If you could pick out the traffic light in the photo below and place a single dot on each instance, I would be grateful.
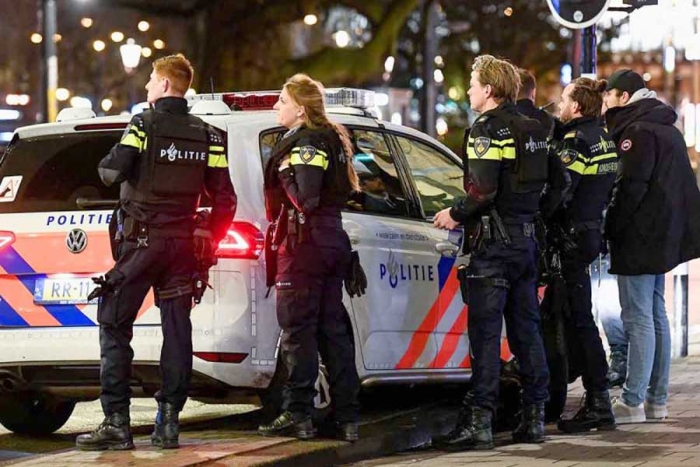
(578, 14)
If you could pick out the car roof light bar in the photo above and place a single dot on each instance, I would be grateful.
(265, 100)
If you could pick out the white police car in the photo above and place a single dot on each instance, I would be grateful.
(410, 326)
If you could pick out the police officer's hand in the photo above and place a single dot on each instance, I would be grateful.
(204, 247)
(443, 220)
(285, 163)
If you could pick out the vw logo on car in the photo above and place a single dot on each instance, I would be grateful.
(76, 241)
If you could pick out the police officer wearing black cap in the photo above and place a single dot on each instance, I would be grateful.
(508, 167)
(307, 182)
(588, 152)
(164, 161)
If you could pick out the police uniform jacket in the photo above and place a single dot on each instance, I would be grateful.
(316, 182)
(491, 156)
(528, 108)
(653, 222)
(588, 153)
(126, 164)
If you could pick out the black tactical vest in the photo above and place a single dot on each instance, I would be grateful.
(335, 186)
(171, 173)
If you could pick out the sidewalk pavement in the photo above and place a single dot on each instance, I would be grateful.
(674, 442)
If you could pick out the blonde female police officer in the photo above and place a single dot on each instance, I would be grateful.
(307, 182)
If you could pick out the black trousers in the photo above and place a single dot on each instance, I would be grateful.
(585, 341)
(314, 321)
(490, 300)
(167, 263)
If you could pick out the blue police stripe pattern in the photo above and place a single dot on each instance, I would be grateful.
(67, 315)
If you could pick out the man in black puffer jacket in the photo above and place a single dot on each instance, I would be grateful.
(653, 224)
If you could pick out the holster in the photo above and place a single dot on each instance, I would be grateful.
(271, 254)
(116, 231)
(463, 285)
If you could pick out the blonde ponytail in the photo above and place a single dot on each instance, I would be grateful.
(308, 94)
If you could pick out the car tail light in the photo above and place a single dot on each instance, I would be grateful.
(6, 239)
(221, 357)
(243, 241)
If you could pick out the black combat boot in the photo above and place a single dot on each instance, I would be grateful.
(617, 369)
(347, 432)
(166, 432)
(531, 427)
(114, 433)
(595, 414)
(473, 431)
(288, 424)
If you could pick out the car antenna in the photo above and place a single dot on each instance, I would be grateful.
(211, 83)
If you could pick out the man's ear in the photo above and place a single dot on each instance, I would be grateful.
(626, 97)
(301, 112)
(489, 90)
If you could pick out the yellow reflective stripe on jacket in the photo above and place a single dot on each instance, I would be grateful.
(583, 168)
(498, 150)
(216, 149)
(308, 155)
(134, 137)
(217, 161)
(602, 157)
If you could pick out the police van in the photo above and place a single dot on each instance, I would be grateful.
(409, 327)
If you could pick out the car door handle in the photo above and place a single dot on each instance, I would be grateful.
(354, 239)
(447, 249)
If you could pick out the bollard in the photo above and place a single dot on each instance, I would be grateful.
(680, 311)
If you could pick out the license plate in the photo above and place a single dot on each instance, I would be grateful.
(63, 291)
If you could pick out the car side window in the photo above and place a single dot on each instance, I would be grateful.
(438, 177)
(381, 190)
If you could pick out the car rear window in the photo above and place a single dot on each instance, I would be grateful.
(55, 170)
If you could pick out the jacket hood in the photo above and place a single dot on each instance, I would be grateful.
(649, 110)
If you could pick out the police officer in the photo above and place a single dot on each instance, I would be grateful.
(307, 181)
(163, 162)
(589, 154)
(508, 168)
(526, 100)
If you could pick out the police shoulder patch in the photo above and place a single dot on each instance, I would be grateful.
(481, 145)
(307, 153)
(568, 157)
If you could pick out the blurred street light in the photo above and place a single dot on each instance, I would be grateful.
(57, 37)
(508, 11)
(80, 102)
(159, 44)
(146, 52)
(438, 76)
(36, 38)
(117, 36)
(439, 60)
(131, 55)
(62, 94)
(86, 22)
(99, 45)
(389, 64)
(441, 126)
(144, 26)
(17, 99)
(310, 20)
(106, 104)
(190, 92)
(342, 39)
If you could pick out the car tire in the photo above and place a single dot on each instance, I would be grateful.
(34, 413)
(273, 397)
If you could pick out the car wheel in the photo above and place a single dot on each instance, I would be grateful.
(273, 397)
(34, 413)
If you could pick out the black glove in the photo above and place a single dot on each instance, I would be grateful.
(356, 280)
(204, 248)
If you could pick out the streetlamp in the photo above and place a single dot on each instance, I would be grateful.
(131, 55)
